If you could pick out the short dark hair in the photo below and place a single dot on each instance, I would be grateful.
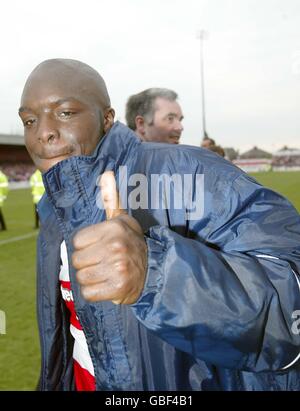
(217, 149)
(142, 104)
(210, 140)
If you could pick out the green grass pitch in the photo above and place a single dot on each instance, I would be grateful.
(286, 183)
(19, 347)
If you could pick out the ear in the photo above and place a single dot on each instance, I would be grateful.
(140, 125)
(109, 116)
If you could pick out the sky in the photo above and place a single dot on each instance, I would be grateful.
(251, 59)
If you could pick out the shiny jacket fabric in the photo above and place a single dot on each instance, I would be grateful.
(221, 300)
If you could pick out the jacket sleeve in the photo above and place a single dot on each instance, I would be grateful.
(233, 299)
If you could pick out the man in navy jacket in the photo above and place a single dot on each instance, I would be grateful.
(194, 285)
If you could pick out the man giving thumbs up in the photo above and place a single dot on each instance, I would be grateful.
(161, 298)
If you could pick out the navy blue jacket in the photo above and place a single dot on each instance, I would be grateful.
(220, 309)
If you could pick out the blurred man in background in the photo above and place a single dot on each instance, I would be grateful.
(207, 142)
(217, 149)
(210, 144)
(37, 191)
(155, 115)
(3, 195)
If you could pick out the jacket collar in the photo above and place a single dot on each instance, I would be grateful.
(115, 144)
(112, 151)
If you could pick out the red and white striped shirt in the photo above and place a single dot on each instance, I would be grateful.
(83, 366)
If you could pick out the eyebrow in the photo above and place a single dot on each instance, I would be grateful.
(58, 102)
(22, 109)
(175, 115)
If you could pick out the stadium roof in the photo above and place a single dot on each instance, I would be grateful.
(256, 152)
(287, 152)
(12, 139)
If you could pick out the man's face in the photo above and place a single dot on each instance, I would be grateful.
(166, 126)
(60, 120)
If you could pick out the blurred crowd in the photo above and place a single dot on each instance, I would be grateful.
(17, 171)
(286, 161)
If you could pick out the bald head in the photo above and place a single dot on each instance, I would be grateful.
(65, 110)
(70, 75)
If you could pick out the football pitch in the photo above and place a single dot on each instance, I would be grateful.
(19, 346)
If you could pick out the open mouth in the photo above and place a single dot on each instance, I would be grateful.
(175, 140)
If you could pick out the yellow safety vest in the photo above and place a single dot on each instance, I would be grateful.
(3, 188)
(37, 186)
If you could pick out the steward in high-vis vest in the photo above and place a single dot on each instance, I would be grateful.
(3, 195)
(37, 190)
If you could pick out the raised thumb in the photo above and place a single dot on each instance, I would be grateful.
(110, 196)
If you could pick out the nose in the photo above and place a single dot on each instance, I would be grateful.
(48, 132)
(179, 126)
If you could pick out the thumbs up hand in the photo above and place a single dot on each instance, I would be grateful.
(111, 257)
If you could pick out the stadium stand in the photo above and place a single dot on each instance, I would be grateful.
(14, 158)
(254, 160)
(286, 159)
